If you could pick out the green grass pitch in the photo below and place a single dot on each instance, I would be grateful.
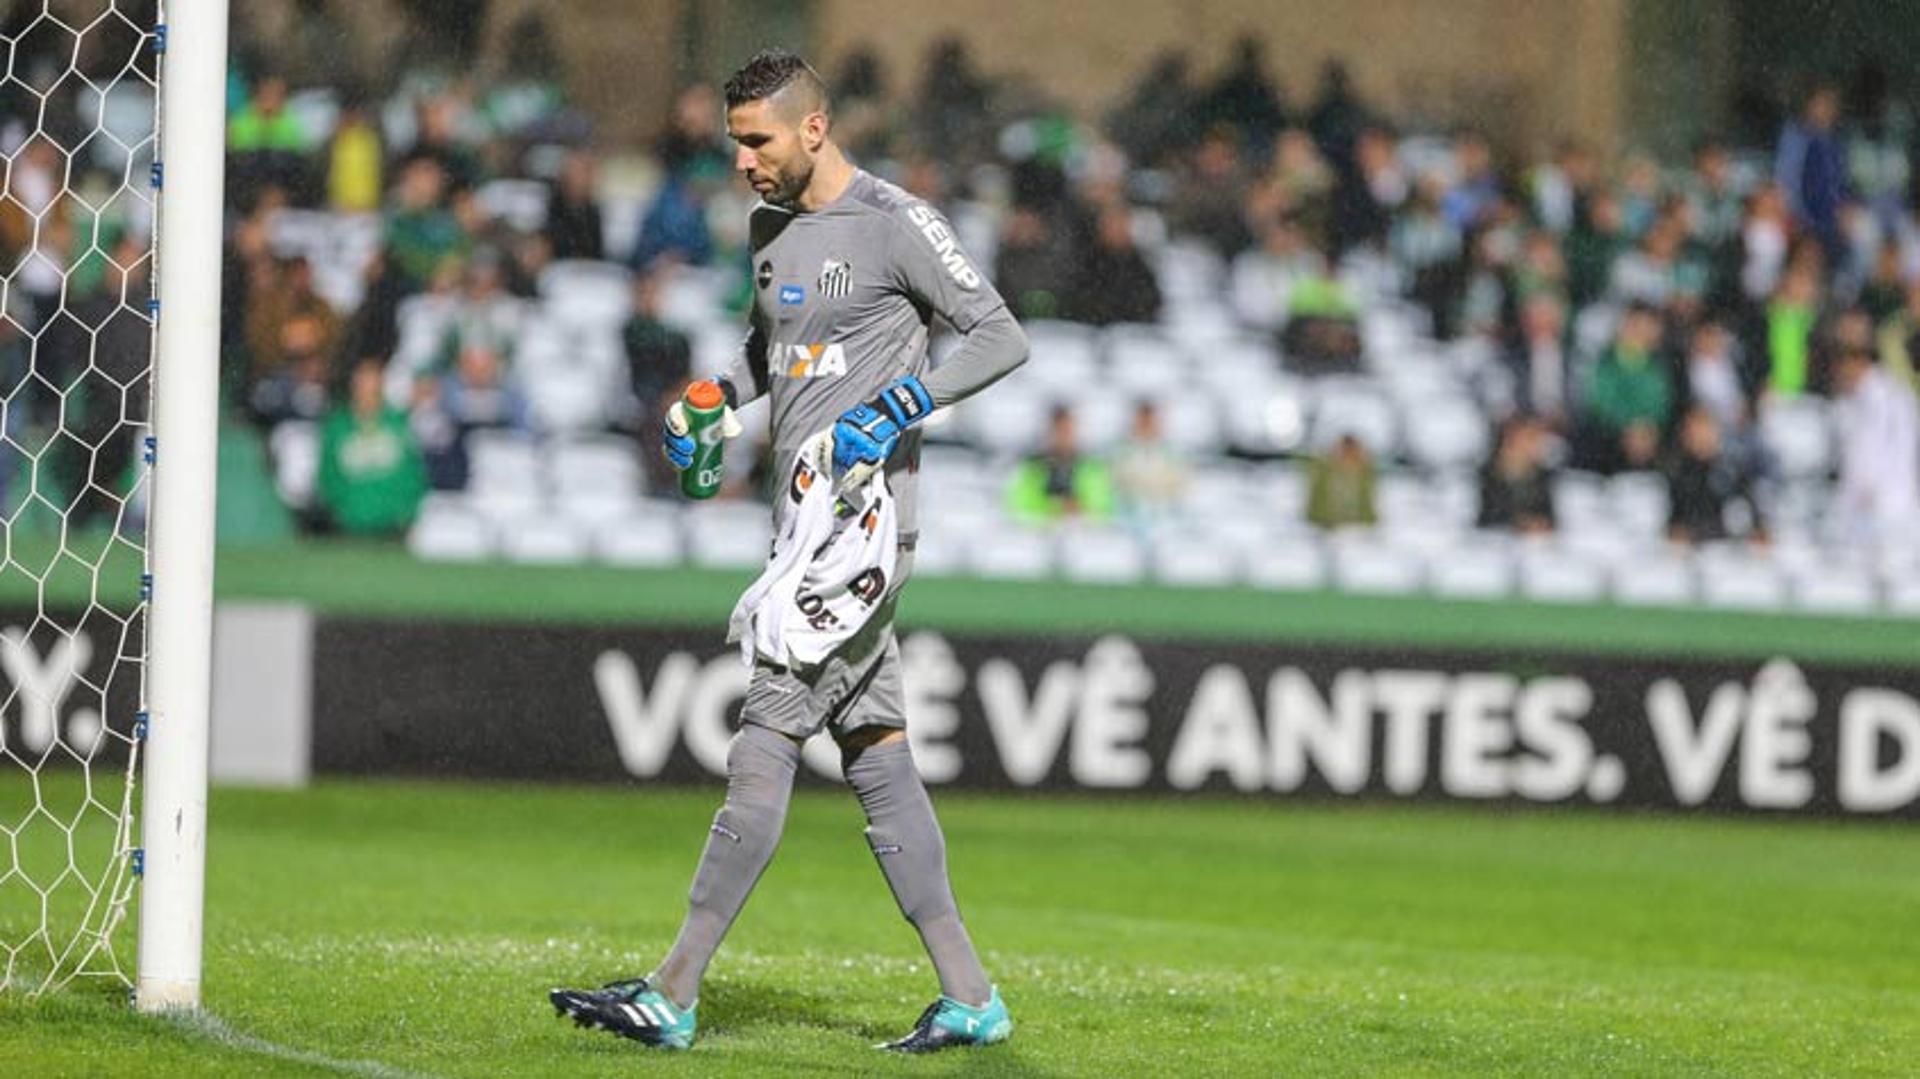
(385, 929)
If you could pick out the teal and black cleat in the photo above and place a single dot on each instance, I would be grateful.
(631, 1009)
(947, 1023)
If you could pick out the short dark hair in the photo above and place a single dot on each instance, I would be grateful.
(769, 72)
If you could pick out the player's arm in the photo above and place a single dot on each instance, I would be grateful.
(929, 267)
(746, 377)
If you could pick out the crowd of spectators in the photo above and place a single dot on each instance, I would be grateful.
(1642, 315)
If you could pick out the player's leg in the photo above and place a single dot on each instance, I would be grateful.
(761, 762)
(907, 843)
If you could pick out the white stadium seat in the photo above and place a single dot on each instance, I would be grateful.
(1362, 564)
(649, 536)
(1012, 553)
(1556, 575)
(1350, 406)
(1445, 432)
(544, 541)
(1834, 589)
(450, 535)
(1740, 582)
(1101, 555)
(295, 445)
(729, 535)
(1799, 435)
(1295, 566)
(1653, 580)
(1481, 568)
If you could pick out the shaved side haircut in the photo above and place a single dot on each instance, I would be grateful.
(781, 76)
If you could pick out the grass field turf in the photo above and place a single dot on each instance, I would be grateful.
(393, 928)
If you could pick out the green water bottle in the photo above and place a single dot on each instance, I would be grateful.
(704, 406)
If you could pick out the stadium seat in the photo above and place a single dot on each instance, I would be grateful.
(1606, 542)
(729, 535)
(1637, 502)
(295, 446)
(1553, 574)
(1011, 554)
(1196, 558)
(449, 534)
(1797, 432)
(940, 554)
(544, 540)
(1353, 406)
(422, 326)
(1444, 432)
(1007, 423)
(1480, 568)
(1071, 345)
(692, 297)
(1579, 500)
(1298, 565)
(1656, 579)
(1189, 269)
(316, 110)
(598, 465)
(502, 460)
(566, 400)
(1834, 589)
(1142, 347)
(1403, 500)
(579, 291)
(1103, 415)
(1903, 597)
(647, 536)
(1737, 580)
(1363, 564)
(521, 204)
(1269, 419)
(1101, 555)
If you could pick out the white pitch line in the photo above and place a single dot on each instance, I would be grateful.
(213, 1028)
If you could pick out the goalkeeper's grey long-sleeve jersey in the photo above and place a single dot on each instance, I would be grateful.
(843, 299)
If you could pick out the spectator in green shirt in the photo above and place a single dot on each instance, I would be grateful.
(372, 477)
(1629, 396)
(422, 233)
(1791, 316)
(1060, 482)
(1340, 487)
(264, 123)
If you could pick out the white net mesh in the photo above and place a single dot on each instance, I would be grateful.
(77, 131)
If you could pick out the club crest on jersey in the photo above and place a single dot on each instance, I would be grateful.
(944, 245)
(816, 361)
(836, 279)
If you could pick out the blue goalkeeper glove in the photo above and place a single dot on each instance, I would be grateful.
(864, 436)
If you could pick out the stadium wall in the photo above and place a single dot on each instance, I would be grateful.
(299, 693)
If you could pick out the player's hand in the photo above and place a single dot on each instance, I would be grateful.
(864, 436)
(677, 441)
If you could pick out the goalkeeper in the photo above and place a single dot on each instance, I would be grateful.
(849, 271)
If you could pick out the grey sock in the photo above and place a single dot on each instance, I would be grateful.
(760, 768)
(907, 843)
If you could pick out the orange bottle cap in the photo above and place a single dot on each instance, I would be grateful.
(705, 394)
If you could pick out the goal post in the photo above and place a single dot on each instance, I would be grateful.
(189, 175)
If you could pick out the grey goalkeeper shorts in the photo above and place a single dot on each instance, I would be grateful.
(858, 686)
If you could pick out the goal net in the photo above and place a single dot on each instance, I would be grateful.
(78, 122)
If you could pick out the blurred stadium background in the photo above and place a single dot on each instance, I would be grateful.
(1486, 401)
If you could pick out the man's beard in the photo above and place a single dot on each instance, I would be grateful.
(788, 190)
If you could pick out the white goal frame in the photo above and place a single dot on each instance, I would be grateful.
(190, 173)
